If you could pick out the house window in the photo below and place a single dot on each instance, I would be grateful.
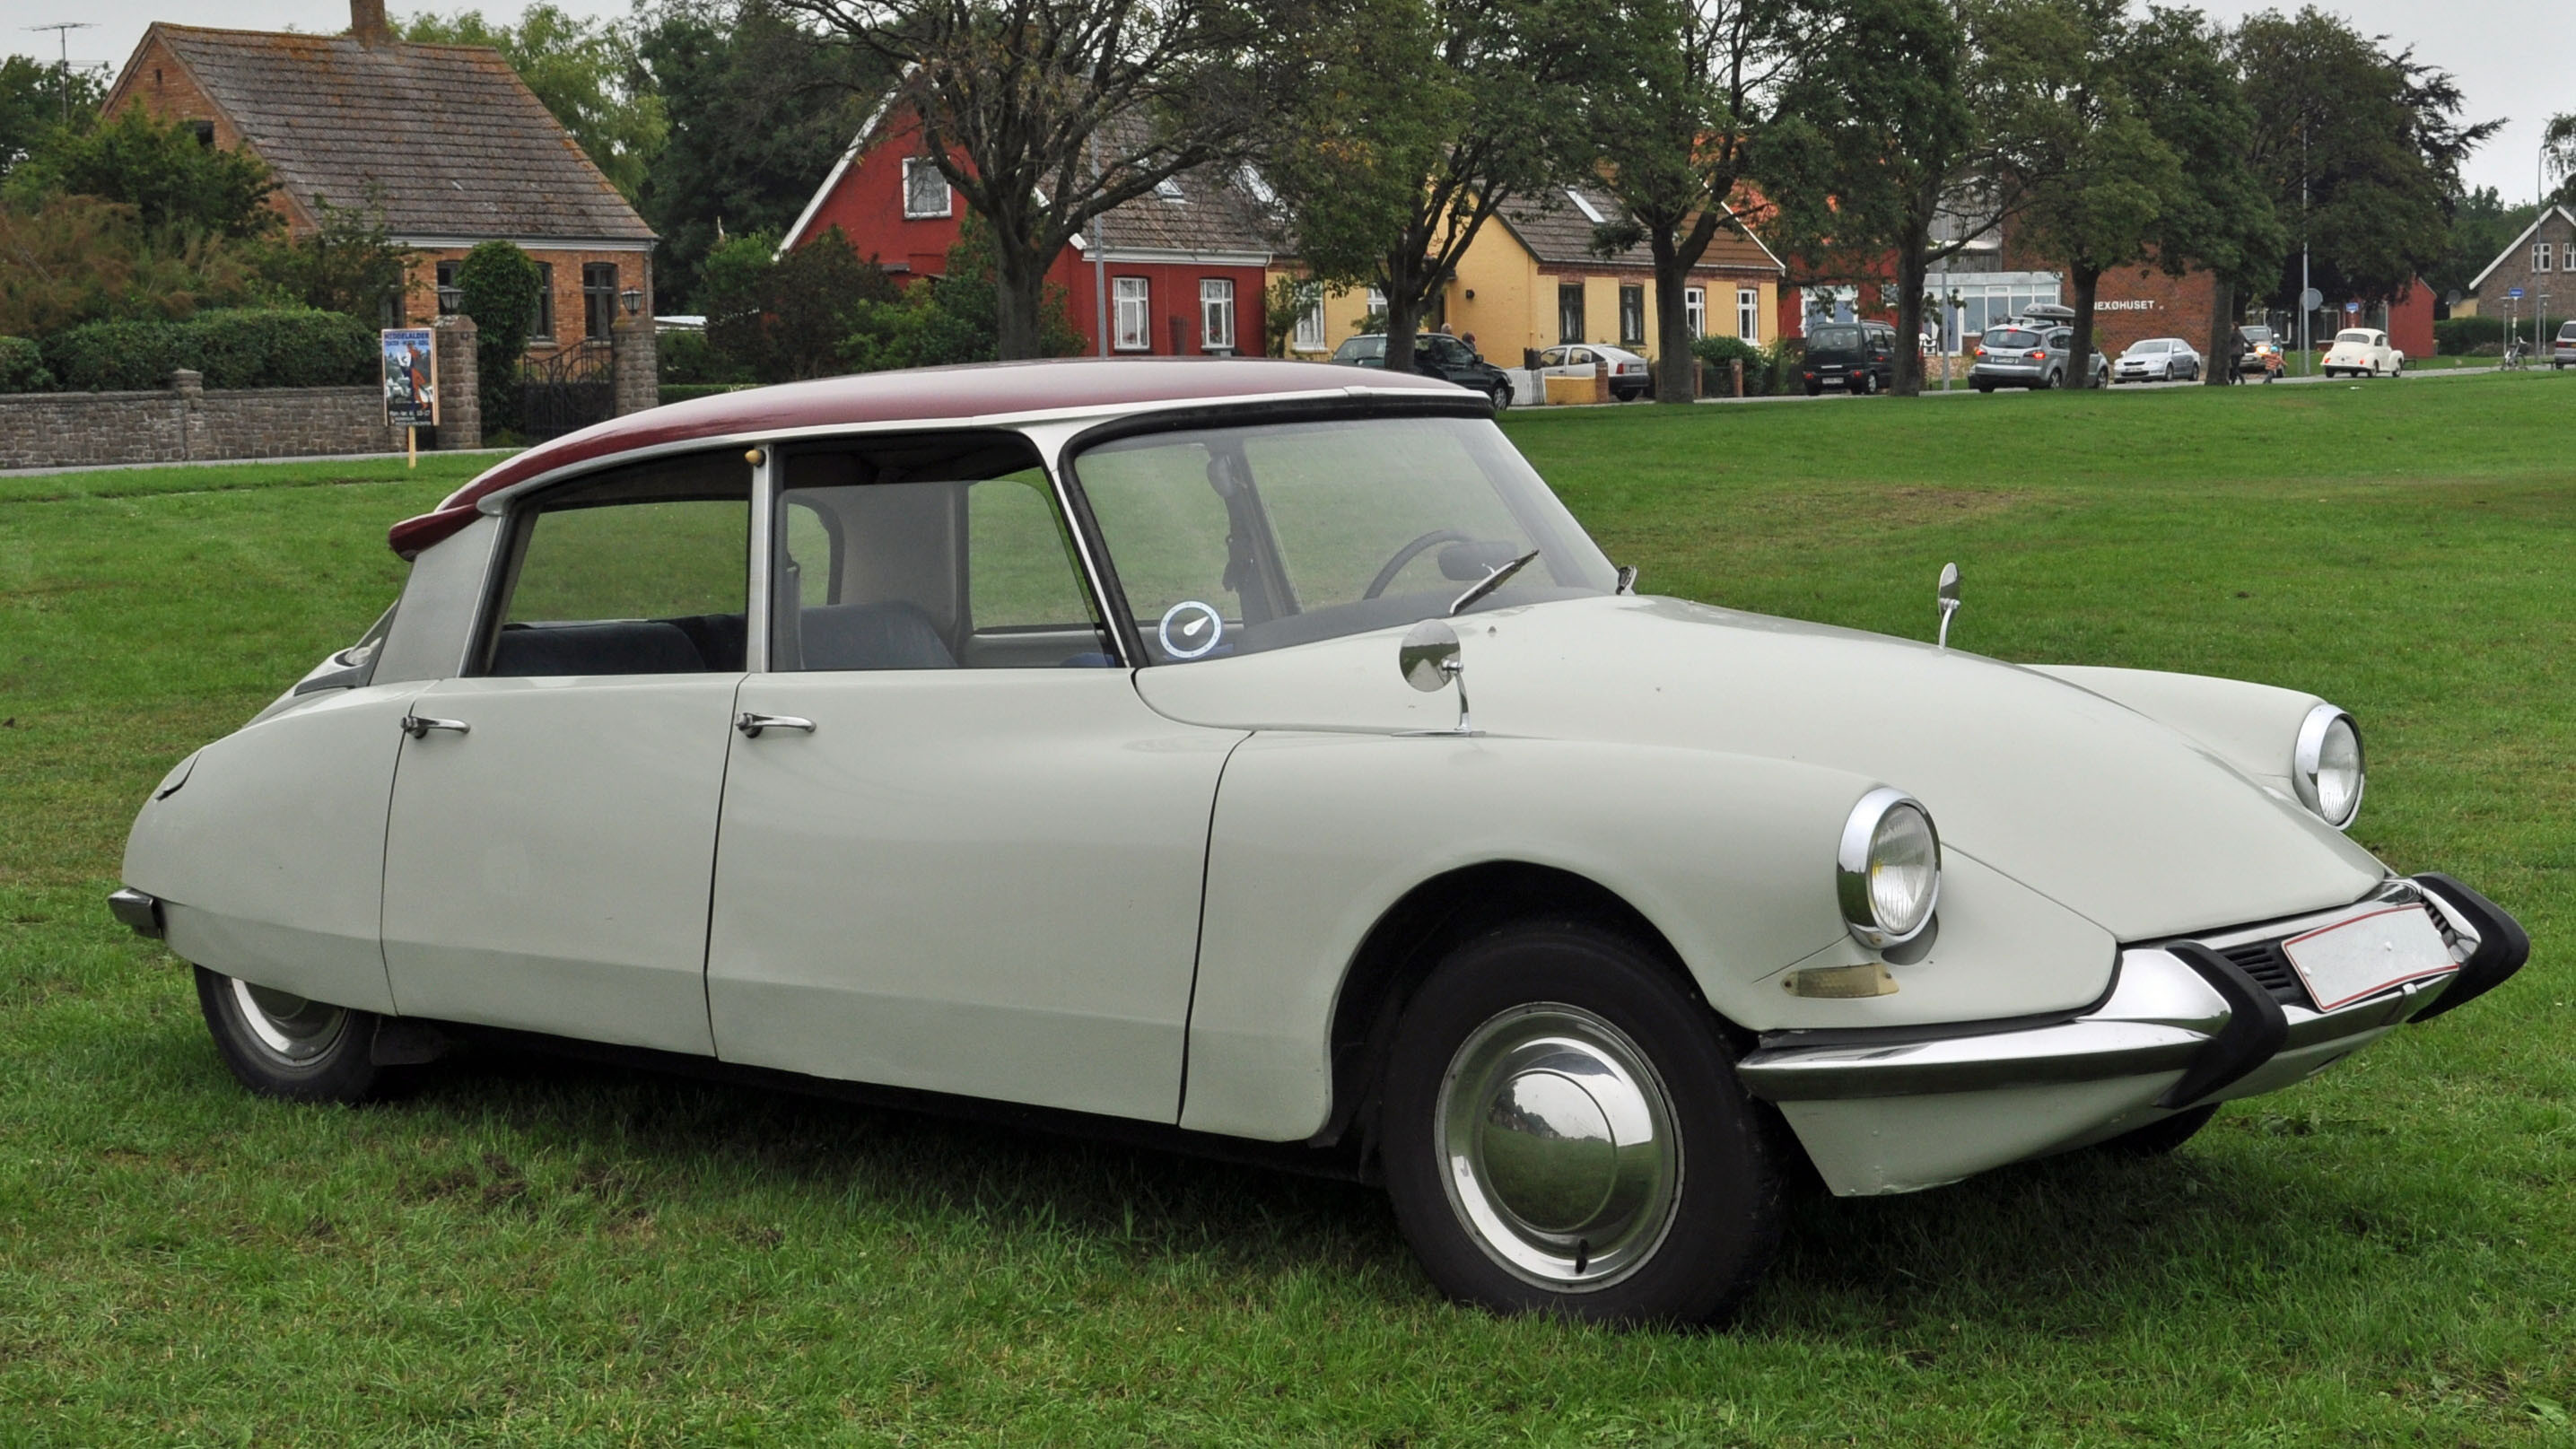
(544, 331)
(1310, 323)
(1216, 315)
(1569, 311)
(2540, 257)
(451, 300)
(1135, 328)
(1695, 311)
(925, 191)
(1632, 315)
(598, 298)
(1748, 313)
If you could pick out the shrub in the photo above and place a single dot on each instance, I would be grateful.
(1721, 354)
(684, 357)
(22, 366)
(234, 348)
(2461, 336)
(499, 283)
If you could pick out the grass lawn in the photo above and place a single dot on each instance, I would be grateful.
(521, 1251)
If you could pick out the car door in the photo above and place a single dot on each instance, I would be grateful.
(554, 809)
(969, 858)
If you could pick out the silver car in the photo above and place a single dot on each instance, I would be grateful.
(2563, 351)
(2020, 354)
(2158, 359)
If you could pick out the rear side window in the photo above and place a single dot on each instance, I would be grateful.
(642, 571)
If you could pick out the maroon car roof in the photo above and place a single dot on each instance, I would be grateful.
(929, 394)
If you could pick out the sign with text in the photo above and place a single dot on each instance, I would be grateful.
(411, 376)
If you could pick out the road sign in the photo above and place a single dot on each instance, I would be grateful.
(2311, 299)
(2515, 294)
(2351, 309)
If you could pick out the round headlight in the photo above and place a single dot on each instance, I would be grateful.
(2326, 767)
(1888, 870)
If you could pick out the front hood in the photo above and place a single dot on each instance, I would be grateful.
(2096, 806)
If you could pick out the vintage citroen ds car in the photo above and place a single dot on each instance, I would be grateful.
(1094, 739)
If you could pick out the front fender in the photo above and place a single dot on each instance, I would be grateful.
(2253, 727)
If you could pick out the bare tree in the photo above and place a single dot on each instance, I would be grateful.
(1045, 113)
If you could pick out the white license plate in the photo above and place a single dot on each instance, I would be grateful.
(2345, 962)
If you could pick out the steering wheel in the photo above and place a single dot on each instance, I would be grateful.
(1408, 554)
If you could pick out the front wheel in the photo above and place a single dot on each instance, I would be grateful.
(279, 1044)
(1502, 397)
(1564, 1133)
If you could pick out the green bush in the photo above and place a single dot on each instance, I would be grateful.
(2462, 336)
(233, 348)
(499, 283)
(1721, 354)
(685, 357)
(22, 366)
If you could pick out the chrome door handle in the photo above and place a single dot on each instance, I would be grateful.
(419, 726)
(752, 724)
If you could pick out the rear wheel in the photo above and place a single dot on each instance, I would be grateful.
(1502, 396)
(1564, 1133)
(282, 1045)
(1815, 389)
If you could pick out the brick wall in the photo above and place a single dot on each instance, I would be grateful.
(157, 82)
(634, 269)
(2519, 268)
(184, 422)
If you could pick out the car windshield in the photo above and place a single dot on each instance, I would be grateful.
(2012, 337)
(1828, 338)
(2140, 349)
(1243, 539)
(2362, 338)
(2258, 334)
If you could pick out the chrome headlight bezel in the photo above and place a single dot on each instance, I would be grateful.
(2307, 762)
(1853, 862)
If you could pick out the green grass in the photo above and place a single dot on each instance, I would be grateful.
(527, 1252)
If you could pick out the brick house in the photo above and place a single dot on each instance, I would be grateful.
(2541, 261)
(446, 138)
(1179, 270)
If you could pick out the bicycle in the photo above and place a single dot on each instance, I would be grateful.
(2515, 357)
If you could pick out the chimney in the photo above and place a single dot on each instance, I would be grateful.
(367, 22)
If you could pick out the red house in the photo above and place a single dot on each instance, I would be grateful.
(1179, 270)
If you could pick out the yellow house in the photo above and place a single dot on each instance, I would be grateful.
(1531, 280)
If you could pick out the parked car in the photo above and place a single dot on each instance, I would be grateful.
(2262, 353)
(2362, 351)
(1435, 354)
(2562, 351)
(1858, 357)
(2158, 359)
(2024, 354)
(1627, 373)
(1093, 737)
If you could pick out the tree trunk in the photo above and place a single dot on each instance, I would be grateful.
(1019, 290)
(2221, 367)
(1675, 363)
(2079, 353)
(1912, 266)
(1403, 317)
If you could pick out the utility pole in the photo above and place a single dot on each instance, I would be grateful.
(63, 64)
(1099, 261)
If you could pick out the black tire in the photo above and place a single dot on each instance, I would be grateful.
(1985, 387)
(299, 1050)
(2158, 1138)
(1683, 1247)
(1815, 389)
(1502, 396)
(1868, 384)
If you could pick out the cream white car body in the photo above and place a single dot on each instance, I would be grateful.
(2363, 351)
(1163, 893)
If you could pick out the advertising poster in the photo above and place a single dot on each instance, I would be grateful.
(411, 377)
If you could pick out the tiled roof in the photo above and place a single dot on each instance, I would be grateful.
(1200, 210)
(458, 143)
(1555, 228)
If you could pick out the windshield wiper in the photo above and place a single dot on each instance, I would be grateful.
(1501, 575)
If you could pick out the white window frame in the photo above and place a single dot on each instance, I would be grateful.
(914, 166)
(2542, 254)
(1216, 314)
(1695, 311)
(1748, 314)
(1309, 336)
(1132, 305)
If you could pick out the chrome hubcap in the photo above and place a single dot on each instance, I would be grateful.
(1557, 1143)
(292, 1029)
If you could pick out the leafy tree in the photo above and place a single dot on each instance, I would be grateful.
(2558, 148)
(781, 318)
(585, 73)
(1426, 116)
(499, 283)
(1677, 111)
(953, 317)
(757, 110)
(2481, 227)
(76, 259)
(2360, 150)
(1045, 113)
(36, 98)
(1883, 147)
(170, 178)
(1287, 300)
(347, 263)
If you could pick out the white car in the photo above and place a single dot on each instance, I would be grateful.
(2363, 352)
(1626, 370)
(2158, 359)
(1094, 738)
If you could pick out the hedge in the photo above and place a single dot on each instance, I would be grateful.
(22, 366)
(233, 348)
(2459, 336)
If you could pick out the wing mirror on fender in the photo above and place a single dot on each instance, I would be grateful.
(1948, 597)
(1429, 659)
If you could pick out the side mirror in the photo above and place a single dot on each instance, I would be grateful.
(1947, 595)
(1428, 659)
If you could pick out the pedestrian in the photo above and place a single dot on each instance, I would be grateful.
(2237, 347)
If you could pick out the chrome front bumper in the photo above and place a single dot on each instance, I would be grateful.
(2184, 1024)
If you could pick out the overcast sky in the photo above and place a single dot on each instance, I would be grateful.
(2513, 58)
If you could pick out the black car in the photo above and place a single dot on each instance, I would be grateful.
(1857, 357)
(1435, 354)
